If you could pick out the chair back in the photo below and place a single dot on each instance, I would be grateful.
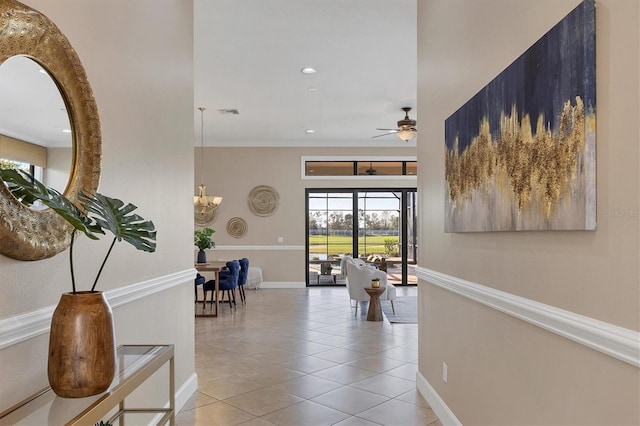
(343, 265)
(244, 271)
(359, 277)
(199, 279)
(229, 279)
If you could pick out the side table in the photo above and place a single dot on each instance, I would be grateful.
(375, 310)
(136, 363)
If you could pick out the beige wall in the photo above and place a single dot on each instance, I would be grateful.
(56, 174)
(233, 172)
(503, 370)
(139, 60)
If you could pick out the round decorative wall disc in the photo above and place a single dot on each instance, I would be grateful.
(237, 227)
(203, 217)
(263, 200)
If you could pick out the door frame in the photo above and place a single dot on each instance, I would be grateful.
(355, 226)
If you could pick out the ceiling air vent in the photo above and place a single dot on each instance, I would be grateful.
(229, 111)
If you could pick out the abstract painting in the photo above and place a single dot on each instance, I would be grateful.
(521, 153)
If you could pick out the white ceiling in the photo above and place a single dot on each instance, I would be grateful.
(249, 55)
(31, 107)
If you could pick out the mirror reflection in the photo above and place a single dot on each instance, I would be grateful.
(35, 132)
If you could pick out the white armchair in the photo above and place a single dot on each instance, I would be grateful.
(359, 275)
(343, 264)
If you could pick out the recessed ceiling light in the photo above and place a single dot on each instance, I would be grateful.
(309, 131)
(308, 70)
(66, 130)
(312, 89)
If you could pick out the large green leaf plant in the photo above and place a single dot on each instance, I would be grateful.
(95, 214)
(202, 239)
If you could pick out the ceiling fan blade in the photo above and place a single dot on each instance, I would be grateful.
(384, 134)
(390, 130)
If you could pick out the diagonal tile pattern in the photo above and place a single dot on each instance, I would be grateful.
(302, 357)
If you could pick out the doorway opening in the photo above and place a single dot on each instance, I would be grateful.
(377, 225)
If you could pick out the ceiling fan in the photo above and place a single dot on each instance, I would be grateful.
(406, 127)
(370, 171)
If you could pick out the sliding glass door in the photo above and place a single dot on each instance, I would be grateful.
(329, 235)
(378, 225)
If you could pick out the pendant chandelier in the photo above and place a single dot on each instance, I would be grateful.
(203, 204)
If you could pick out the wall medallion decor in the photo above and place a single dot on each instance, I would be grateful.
(263, 200)
(237, 227)
(521, 154)
(203, 218)
(26, 233)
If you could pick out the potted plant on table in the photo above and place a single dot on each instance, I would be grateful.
(375, 282)
(82, 339)
(202, 240)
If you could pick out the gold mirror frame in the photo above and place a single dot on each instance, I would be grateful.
(27, 234)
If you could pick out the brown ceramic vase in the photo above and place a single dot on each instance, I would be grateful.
(82, 353)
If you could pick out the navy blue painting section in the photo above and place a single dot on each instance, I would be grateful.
(556, 69)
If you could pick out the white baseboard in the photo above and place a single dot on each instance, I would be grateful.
(445, 415)
(183, 394)
(618, 342)
(186, 391)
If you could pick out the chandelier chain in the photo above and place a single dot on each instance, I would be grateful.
(201, 145)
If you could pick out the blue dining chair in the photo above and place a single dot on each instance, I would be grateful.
(242, 278)
(228, 282)
(200, 280)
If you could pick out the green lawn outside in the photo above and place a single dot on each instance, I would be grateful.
(341, 244)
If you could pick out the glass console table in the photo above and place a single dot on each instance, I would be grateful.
(135, 364)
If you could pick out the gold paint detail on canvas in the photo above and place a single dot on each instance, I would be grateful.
(531, 171)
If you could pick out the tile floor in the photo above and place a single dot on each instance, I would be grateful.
(301, 357)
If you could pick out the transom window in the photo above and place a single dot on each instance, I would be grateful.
(360, 168)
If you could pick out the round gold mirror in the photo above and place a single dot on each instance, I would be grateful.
(27, 233)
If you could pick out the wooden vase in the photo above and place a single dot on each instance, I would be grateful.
(82, 352)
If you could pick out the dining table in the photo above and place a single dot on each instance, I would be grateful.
(213, 266)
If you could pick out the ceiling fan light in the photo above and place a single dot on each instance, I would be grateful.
(407, 134)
